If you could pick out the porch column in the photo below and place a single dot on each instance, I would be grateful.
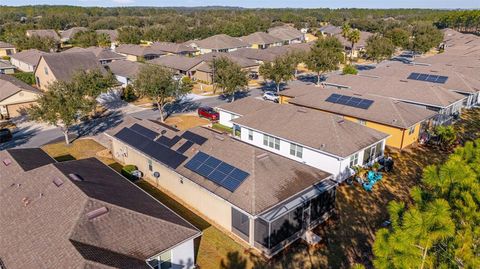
(251, 238)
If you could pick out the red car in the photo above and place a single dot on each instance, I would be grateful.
(209, 113)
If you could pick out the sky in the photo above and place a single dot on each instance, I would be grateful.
(450, 4)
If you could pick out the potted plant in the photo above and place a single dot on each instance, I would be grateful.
(375, 166)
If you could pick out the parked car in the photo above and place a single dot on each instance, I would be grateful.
(209, 113)
(5, 135)
(271, 96)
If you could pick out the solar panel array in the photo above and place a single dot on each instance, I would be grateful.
(428, 78)
(219, 172)
(349, 101)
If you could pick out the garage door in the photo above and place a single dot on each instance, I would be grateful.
(18, 109)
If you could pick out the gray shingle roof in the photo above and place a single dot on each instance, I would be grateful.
(330, 29)
(135, 226)
(220, 42)
(208, 57)
(64, 65)
(263, 55)
(50, 33)
(100, 53)
(170, 47)
(312, 128)
(245, 106)
(285, 33)
(9, 85)
(177, 62)
(260, 38)
(6, 45)
(31, 56)
(125, 68)
(70, 33)
(112, 34)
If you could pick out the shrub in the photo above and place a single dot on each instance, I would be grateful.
(6, 58)
(129, 94)
(27, 77)
(127, 171)
(349, 69)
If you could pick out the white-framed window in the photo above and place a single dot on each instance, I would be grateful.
(46, 70)
(362, 122)
(411, 130)
(150, 165)
(164, 261)
(250, 135)
(271, 142)
(296, 150)
(354, 160)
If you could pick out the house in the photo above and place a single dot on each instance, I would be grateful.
(261, 40)
(330, 30)
(83, 214)
(103, 55)
(66, 35)
(26, 60)
(16, 96)
(181, 65)
(405, 123)
(288, 34)
(432, 96)
(204, 71)
(358, 47)
(217, 43)
(62, 66)
(48, 33)
(262, 199)
(124, 71)
(6, 67)
(462, 80)
(7, 49)
(260, 56)
(174, 48)
(112, 34)
(139, 52)
(459, 43)
(308, 136)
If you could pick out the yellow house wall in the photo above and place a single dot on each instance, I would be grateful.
(209, 205)
(284, 99)
(132, 58)
(20, 97)
(45, 79)
(3, 51)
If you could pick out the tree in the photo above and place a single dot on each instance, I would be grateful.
(158, 83)
(67, 103)
(130, 35)
(349, 69)
(446, 135)
(353, 36)
(379, 48)
(399, 37)
(425, 37)
(280, 70)
(90, 38)
(325, 56)
(345, 30)
(229, 76)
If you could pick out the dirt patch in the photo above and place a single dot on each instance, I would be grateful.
(184, 122)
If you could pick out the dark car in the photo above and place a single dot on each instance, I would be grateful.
(5, 135)
(209, 113)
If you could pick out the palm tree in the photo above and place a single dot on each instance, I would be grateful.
(353, 36)
(345, 30)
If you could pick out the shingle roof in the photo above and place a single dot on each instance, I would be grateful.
(139, 50)
(170, 47)
(263, 55)
(6, 65)
(360, 44)
(273, 178)
(312, 128)
(245, 106)
(405, 90)
(50, 33)
(100, 53)
(384, 110)
(219, 42)
(125, 68)
(64, 65)
(330, 29)
(6, 45)
(452, 60)
(70, 33)
(177, 62)
(31, 56)
(285, 32)
(134, 227)
(260, 38)
(112, 34)
(208, 57)
(9, 85)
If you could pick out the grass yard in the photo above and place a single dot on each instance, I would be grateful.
(348, 236)
(184, 122)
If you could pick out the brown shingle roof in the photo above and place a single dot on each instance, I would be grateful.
(64, 65)
(245, 106)
(330, 29)
(263, 55)
(272, 179)
(9, 85)
(208, 57)
(312, 128)
(383, 110)
(100, 53)
(170, 47)
(177, 62)
(134, 228)
(285, 32)
(125, 68)
(139, 50)
(5, 45)
(220, 42)
(360, 44)
(48, 33)
(405, 90)
(70, 33)
(112, 34)
(31, 56)
(260, 38)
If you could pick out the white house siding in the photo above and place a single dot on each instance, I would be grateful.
(197, 197)
(226, 117)
(22, 66)
(183, 256)
(122, 80)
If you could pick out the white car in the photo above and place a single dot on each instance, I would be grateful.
(271, 96)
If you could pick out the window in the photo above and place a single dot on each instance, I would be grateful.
(164, 261)
(411, 130)
(38, 81)
(362, 122)
(250, 135)
(271, 142)
(150, 166)
(296, 150)
(46, 70)
(354, 160)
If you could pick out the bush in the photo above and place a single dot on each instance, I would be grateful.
(27, 77)
(129, 94)
(349, 69)
(6, 58)
(127, 171)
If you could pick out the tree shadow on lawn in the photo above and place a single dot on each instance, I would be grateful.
(181, 106)
(98, 125)
(20, 137)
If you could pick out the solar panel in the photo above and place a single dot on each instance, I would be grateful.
(221, 173)
(144, 131)
(428, 78)
(168, 142)
(349, 101)
(195, 138)
(188, 144)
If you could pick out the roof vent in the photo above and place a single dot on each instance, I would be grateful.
(97, 213)
(219, 137)
(322, 145)
(7, 161)
(302, 110)
(58, 182)
(263, 156)
(75, 177)
(394, 120)
(357, 94)
(403, 80)
(163, 132)
(341, 121)
(25, 201)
